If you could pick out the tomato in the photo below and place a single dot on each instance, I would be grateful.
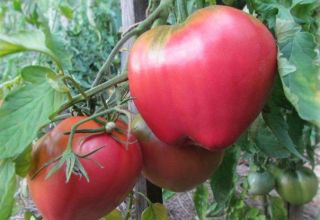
(112, 170)
(174, 167)
(260, 183)
(297, 186)
(206, 79)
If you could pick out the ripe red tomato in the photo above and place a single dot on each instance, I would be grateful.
(174, 167)
(79, 199)
(206, 79)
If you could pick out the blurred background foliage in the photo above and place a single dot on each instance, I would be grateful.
(89, 29)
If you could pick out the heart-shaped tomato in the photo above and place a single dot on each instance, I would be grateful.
(206, 79)
(112, 170)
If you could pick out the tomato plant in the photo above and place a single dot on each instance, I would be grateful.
(199, 75)
(112, 170)
(297, 186)
(175, 167)
(260, 183)
(216, 80)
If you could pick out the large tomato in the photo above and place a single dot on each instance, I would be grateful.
(79, 199)
(175, 167)
(297, 186)
(206, 79)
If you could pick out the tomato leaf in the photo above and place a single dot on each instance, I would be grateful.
(155, 211)
(279, 127)
(270, 145)
(26, 109)
(200, 199)
(114, 215)
(223, 190)
(298, 71)
(298, 62)
(23, 162)
(35, 40)
(7, 188)
(277, 208)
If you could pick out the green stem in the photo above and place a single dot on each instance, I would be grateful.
(106, 66)
(182, 12)
(75, 84)
(79, 98)
(76, 125)
(145, 24)
(128, 213)
(152, 6)
(145, 197)
(97, 130)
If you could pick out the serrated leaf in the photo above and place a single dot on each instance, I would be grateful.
(155, 211)
(279, 127)
(200, 200)
(277, 208)
(25, 110)
(34, 41)
(223, 190)
(7, 188)
(114, 215)
(298, 70)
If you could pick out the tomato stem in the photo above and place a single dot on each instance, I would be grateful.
(76, 125)
(181, 11)
(145, 197)
(79, 98)
(75, 84)
(106, 66)
(145, 24)
(128, 212)
(98, 130)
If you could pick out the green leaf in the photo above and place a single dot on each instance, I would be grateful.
(23, 162)
(114, 215)
(155, 211)
(279, 127)
(269, 144)
(298, 69)
(34, 41)
(26, 109)
(277, 209)
(223, 180)
(166, 194)
(200, 199)
(66, 10)
(7, 188)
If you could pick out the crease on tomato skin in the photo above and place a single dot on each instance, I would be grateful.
(227, 97)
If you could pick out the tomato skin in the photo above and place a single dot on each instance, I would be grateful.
(297, 186)
(210, 76)
(260, 183)
(79, 199)
(175, 167)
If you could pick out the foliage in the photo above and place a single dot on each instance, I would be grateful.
(70, 38)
